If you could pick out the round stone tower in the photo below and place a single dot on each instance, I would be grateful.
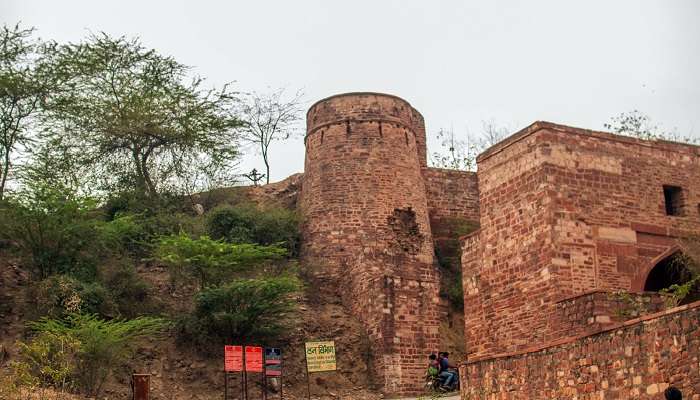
(365, 215)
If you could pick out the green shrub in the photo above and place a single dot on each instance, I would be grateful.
(212, 261)
(248, 224)
(128, 231)
(233, 224)
(245, 310)
(46, 361)
(129, 291)
(172, 223)
(119, 292)
(101, 345)
(137, 233)
(455, 294)
(60, 295)
(136, 203)
(55, 231)
(686, 266)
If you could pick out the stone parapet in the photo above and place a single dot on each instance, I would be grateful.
(635, 359)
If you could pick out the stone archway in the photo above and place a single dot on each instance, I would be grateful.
(671, 270)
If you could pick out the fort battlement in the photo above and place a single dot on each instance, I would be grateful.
(366, 221)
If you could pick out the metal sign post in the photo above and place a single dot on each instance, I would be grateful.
(233, 363)
(320, 357)
(273, 366)
(308, 378)
(254, 363)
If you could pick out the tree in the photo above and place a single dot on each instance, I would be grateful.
(55, 230)
(635, 124)
(53, 164)
(22, 89)
(491, 134)
(270, 117)
(639, 125)
(136, 118)
(461, 154)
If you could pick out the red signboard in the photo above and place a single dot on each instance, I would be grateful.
(253, 359)
(233, 358)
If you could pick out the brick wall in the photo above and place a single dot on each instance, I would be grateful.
(594, 311)
(565, 211)
(506, 264)
(610, 222)
(452, 195)
(637, 359)
(366, 223)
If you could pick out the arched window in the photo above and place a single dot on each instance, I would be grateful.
(672, 270)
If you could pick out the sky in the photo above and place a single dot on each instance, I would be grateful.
(459, 63)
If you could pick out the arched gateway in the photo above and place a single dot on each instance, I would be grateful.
(675, 269)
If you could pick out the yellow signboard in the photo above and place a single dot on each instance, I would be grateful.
(320, 356)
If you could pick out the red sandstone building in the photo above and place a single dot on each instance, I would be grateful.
(568, 219)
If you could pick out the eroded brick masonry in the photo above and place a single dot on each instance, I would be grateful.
(368, 200)
(635, 360)
(568, 219)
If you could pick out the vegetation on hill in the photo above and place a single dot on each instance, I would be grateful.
(103, 144)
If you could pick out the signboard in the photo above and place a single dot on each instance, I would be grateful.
(253, 359)
(233, 358)
(273, 361)
(320, 356)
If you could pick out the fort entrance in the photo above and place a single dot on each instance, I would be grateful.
(672, 270)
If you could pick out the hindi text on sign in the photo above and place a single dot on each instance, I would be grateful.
(233, 358)
(253, 359)
(320, 356)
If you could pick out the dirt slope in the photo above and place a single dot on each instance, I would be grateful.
(178, 372)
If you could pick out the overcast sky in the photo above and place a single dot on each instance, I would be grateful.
(457, 62)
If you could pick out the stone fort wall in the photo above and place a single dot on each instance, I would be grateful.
(366, 222)
(453, 196)
(637, 359)
(565, 211)
(566, 218)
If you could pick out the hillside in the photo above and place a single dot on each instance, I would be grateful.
(179, 373)
(179, 370)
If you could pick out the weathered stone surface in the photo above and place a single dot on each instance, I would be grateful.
(567, 218)
(563, 212)
(366, 221)
(635, 360)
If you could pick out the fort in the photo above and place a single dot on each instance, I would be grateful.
(575, 229)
